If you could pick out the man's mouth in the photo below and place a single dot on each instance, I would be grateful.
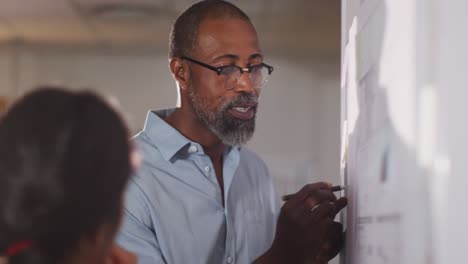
(244, 112)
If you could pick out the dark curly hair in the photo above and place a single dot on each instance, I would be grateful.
(64, 164)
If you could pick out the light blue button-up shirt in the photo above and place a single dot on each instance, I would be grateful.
(173, 211)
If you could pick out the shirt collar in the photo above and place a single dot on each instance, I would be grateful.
(167, 139)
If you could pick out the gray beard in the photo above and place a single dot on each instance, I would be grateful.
(230, 130)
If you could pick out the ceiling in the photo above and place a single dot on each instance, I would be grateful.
(301, 26)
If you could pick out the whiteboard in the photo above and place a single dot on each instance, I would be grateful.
(387, 97)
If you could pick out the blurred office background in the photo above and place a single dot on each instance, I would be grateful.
(119, 47)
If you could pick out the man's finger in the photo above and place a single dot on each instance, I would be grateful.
(321, 211)
(319, 196)
(341, 203)
(338, 206)
(309, 188)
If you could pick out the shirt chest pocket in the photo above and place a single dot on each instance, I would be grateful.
(257, 229)
(254, 212)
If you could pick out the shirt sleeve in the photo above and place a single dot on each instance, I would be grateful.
(137, 233)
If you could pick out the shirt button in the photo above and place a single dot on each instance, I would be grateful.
(207, 169)
(229, 260)
(192, 149)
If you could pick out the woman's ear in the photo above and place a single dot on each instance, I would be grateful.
(98, 245)
(119, 255)
(135, 158)
(180, 72)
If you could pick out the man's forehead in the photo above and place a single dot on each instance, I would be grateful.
(227, 36)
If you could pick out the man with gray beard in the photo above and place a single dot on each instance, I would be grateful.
(200, 196)
(230, 130)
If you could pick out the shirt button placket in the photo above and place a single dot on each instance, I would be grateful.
(231, 241)
(207, 170)
(192, 149)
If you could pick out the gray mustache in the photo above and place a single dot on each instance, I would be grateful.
(242, 99)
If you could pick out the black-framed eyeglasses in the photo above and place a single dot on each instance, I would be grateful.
(258, 73)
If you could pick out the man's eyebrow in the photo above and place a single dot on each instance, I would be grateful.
(236, 57)
(226, 56)
(256, 56)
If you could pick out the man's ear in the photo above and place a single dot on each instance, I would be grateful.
(180, 72)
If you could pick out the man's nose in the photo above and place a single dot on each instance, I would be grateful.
(245, 84)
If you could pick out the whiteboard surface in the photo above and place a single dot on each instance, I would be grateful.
(386, 97)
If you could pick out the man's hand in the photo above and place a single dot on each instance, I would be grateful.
(331, 246)
(305, 225)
